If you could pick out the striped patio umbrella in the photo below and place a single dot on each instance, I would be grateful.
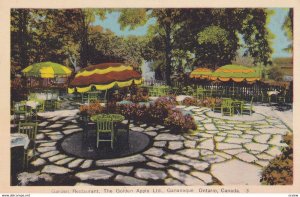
(47, 70)
(201, 73)
(104, 76)
(236, 73)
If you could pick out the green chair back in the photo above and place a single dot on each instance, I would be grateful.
(227, 107)
(105, 125)
(20, 106)
(92, 96)
(28, 128)
(227, 102)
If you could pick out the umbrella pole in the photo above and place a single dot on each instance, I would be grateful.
(233, 89)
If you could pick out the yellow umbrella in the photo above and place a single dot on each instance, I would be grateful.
(47, 70)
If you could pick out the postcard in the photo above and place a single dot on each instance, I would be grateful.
(195, 97)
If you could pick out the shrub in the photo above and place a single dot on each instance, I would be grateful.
(210, 102)
(280, 169)
(126, 110)
(276, 73)
(190, 101)
(111, 107)
(166, 101)
(160, 112)
(91, 109)
(179, 122)
(157, 113)
(139, 96)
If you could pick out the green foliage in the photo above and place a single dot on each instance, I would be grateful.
(132, 18)
(215, 46)
(280, 169)
(275, 73)
(288, 28)
(180, 38)
(257, 36)
(213, 35)
(249, 23)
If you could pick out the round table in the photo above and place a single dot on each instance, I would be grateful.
(115, 117)
(271, 93)
(19, 143)
(19, 139)
(32, 104)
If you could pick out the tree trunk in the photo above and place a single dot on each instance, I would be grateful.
(84, 50)
(84, 42)
(168, 54)
(23, 38)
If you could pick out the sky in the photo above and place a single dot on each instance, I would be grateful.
(279, 42)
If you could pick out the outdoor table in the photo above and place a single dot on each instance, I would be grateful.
(18, 144)
(115, 117)
(19, 139)
(30, 108)
(270, 93)
(32, 104)
(124, 102)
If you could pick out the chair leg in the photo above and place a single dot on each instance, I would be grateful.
(112, 140)
(97, 139)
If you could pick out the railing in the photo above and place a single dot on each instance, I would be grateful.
(154, 82)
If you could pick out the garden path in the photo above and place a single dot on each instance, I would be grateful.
(223, 150)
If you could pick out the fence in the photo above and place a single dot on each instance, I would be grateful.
(154, 82)
(245, 91)
(259, 91)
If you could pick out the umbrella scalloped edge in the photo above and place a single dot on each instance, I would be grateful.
(120, 84)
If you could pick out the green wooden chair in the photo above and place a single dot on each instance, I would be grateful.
(227, 107)
(20, 109)
(30, 129)
(216, 107)
(247, 107)
(199, 93)
(103, 96)
(84, 97)
(105, 125)
(57, 104)
(41, 106)
(92, 97)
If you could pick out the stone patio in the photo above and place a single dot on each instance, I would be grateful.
(230, 150)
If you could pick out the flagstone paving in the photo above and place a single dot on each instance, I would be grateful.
(220, 151)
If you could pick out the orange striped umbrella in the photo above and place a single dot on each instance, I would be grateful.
(104, 76)
(201, 73)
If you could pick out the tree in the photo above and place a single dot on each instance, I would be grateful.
(215, 44)
(105, 46)
(275, 73)
(288, 28)
(166, 21)
(212, 24)
(19, 39)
